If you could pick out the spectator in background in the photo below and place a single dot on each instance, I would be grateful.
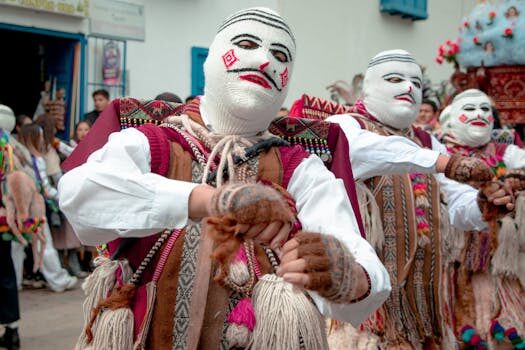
(168, 97)
(427, 118)
(64, 238)
(283, 112)
(81, 131)
(22, 119)
(189, 99)
(58, 279)
(101, 100)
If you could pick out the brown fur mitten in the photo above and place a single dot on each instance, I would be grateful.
(515, 179)
(238, 205)
(489, 210)
(468, 170)
(329, 265)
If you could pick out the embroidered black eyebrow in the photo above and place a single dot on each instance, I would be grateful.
(246, 36)
(396, 74)
(416, 78)
(283, 47)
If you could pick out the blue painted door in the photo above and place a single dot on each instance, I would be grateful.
(198, 56)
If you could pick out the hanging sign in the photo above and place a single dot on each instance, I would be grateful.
(77, 8)
(118, 19)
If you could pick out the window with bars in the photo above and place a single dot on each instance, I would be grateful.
(106, 68)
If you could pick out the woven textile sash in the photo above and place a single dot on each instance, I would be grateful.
(412, 311)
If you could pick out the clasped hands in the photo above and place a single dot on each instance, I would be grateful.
(260, 214)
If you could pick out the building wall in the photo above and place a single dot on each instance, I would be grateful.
(163, 61)
(44, 20)
(337, 38)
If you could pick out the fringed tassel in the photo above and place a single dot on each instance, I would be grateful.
(520, 221)
(97, 287)
(151, 295)
(464, 310)
(241, 324)
(286, 318)
(371, 216)
(115, 321)
(470, 337)
(505, 260)
(512, 300)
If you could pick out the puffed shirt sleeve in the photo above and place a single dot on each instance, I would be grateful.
(463, 209)
(114, 194)
(514, 157)
(374, 155)
(323, 206)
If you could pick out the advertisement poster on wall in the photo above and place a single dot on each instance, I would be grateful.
(111, 63)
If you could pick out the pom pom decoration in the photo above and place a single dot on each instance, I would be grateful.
(471, 337)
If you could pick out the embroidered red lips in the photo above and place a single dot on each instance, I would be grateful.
(406, 97)
(478, 123)
(256, 79)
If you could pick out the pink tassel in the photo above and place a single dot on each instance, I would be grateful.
(243, 314)
(241, 255)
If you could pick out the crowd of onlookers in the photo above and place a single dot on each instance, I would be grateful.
(39, 153)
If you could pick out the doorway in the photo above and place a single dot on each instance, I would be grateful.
(33, 56)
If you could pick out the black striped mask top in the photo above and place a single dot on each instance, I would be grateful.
(258, 15)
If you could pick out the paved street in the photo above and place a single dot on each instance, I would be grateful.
(50, 321)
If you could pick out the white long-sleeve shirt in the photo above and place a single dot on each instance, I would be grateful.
(514, 157)
(375, 155)
(114, 194)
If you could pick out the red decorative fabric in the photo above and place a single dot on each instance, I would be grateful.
(159, 148)
(106, 124)
(342, 169)
(312, 107)
(423, 136)
(291, 157)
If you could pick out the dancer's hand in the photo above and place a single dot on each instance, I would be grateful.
(306, 263)
(199, 204)
(515, 179)
(495, 201)
(273, 234)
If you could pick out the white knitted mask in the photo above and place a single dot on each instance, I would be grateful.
(471, 120)
(392, 88)
(7, 118)
(247, 72)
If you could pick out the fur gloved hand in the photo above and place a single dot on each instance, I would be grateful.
(250, 204)
(495, 200)
(247, 211)
(321, 263)
(515, 179)
(468, 170)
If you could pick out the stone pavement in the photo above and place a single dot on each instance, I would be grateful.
(50, 321)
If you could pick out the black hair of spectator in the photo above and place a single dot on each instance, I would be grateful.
(495, 114)
(102, 92)
(168, 97)
(189, 98)
(431, 104)
(20, 119)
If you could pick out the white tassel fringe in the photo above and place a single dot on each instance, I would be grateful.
(284, 315)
